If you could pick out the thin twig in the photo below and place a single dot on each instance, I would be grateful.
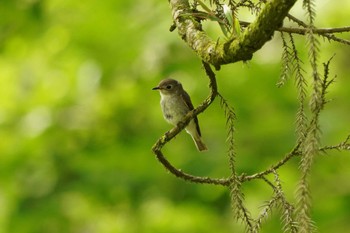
(345, 145)
(326, 32)
(303, 31)
(294, 152)
(327, 35)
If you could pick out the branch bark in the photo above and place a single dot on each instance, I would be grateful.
(325, 32)
(239, 49)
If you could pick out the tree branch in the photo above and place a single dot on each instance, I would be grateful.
(326, 32)
(242, 48)
(294, 152)
(303, 31)
(329, 36)
(345, 145)
(177, 129)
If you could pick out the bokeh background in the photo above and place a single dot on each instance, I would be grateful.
(78, 120)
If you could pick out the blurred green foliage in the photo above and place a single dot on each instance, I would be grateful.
(78, 119)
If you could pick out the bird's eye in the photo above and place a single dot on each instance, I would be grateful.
(168, 87)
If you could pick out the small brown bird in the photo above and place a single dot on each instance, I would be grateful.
(175, 104)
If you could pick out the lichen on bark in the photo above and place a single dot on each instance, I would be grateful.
(240, 48)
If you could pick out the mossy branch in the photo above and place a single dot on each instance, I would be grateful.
(241, 48)
(327, 33)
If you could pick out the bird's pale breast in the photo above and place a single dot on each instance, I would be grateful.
(174, 108)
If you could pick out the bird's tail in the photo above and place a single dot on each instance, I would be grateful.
(199, 143)
(192, 129)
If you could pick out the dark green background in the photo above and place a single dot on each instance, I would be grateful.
(78, 120)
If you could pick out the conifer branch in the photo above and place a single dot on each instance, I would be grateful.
(322, 32)
(237, 197)
(286, 60)
(287, 209)
(301, 119)
(237, 204)
(319, 31)
(278, 201)
(287, 157)
(327, 33)
(268, 207)
(310, 145)
(345, 145)
(326, 82)
(303, 29)
(230, 118)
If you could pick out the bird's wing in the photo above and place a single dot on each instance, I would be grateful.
(186, 98)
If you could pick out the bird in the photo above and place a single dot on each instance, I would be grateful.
(175, 104)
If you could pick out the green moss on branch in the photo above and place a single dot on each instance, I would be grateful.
(242, 48)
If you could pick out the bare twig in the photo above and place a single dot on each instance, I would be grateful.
(345, 145)
(303, 30)
(327, 35)
(326, 32)
(287, 157)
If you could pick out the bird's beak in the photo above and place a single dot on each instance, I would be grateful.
(155, 88)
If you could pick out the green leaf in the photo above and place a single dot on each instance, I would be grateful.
(236, 29)
(228, 14)
(207, 9)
